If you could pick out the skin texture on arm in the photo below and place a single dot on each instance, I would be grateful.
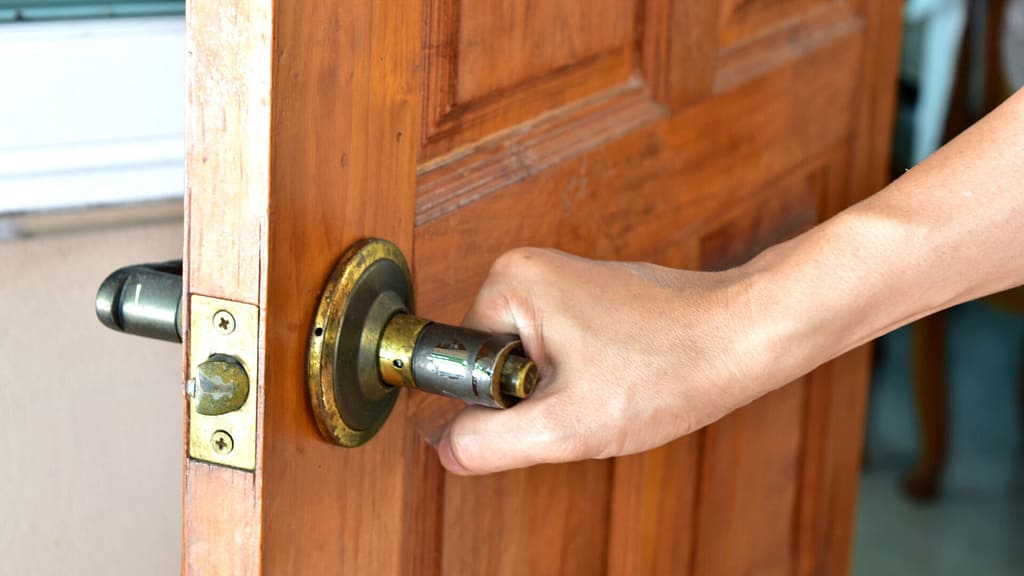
(635, 355)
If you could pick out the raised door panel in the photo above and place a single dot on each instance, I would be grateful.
(502, 45)
(743, 20)
(755, 37)
(490, 65)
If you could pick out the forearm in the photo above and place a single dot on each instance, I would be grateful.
(948, 231)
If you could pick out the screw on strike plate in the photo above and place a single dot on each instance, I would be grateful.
(222, 442)
(224, 322)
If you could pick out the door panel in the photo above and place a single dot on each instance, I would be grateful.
(654, 502)
(687, 133)
(752, 478)
(544, 520)
(533, 41)
(489, 66)
(743, 20)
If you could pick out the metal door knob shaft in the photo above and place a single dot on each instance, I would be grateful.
(478, 367)
(143, 300)
(365, 345)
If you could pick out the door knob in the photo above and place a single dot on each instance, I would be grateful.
(365, 344)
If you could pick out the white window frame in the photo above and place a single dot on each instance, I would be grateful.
(91, 113)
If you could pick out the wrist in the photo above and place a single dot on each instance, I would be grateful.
(802, 313)
(832, 289)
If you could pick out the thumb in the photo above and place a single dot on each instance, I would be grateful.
(481, 440)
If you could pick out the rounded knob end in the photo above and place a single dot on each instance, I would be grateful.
(518, 376)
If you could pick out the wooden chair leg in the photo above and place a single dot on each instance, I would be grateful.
(1020, 395)
(928, 363)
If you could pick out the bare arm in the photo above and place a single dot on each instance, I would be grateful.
(635, 355)
(948, 231)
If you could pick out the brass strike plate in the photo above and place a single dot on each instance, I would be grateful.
(224, 327)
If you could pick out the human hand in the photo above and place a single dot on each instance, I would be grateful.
(630, 355)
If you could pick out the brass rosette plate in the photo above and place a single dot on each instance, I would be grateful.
(370, 284)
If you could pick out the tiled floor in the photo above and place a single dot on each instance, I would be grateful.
(977, 525)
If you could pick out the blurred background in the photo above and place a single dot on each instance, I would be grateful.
(91, 178)
(942, 490)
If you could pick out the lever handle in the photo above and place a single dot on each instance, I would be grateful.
(143, 300)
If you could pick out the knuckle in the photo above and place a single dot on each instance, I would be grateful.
(519, 261)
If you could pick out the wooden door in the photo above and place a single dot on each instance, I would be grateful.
(690, 133)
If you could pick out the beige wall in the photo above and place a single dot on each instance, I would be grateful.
(90, 420)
